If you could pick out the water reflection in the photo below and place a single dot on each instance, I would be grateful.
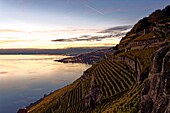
(26, 78)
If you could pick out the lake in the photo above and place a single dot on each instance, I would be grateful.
(26, 78)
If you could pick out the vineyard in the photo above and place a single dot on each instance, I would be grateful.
(113, 84)
(113, 78)
(119, 90)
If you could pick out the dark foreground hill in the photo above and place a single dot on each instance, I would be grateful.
(134, 78)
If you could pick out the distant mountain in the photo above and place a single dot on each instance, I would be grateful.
(134, 78)
(66, 51)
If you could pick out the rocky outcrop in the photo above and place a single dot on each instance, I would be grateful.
(94, 96)
(156, 89)
(158, 59)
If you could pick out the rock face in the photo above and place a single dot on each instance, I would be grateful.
(158, 59)
(156, 90)
(94, 96)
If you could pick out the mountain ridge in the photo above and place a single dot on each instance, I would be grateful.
(118, 82)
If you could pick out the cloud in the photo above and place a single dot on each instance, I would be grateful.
(10, 30)
(117, 28)
(69, 30)
(90, 38)
(81, 38)
(3, 72)
(115, 32)
(9, 41)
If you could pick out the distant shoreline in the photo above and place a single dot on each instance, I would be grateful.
(31, 54)
(66, 51)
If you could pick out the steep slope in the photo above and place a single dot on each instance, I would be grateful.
(115, 83)
(156, 90)
(155, 27)
(99, 85)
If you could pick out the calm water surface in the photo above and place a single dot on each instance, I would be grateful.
(26, 78)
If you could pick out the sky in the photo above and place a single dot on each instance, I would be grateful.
(52, 24)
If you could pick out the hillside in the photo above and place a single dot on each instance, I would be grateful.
(134, 78)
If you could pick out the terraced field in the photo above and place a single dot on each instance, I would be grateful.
(113, 78)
